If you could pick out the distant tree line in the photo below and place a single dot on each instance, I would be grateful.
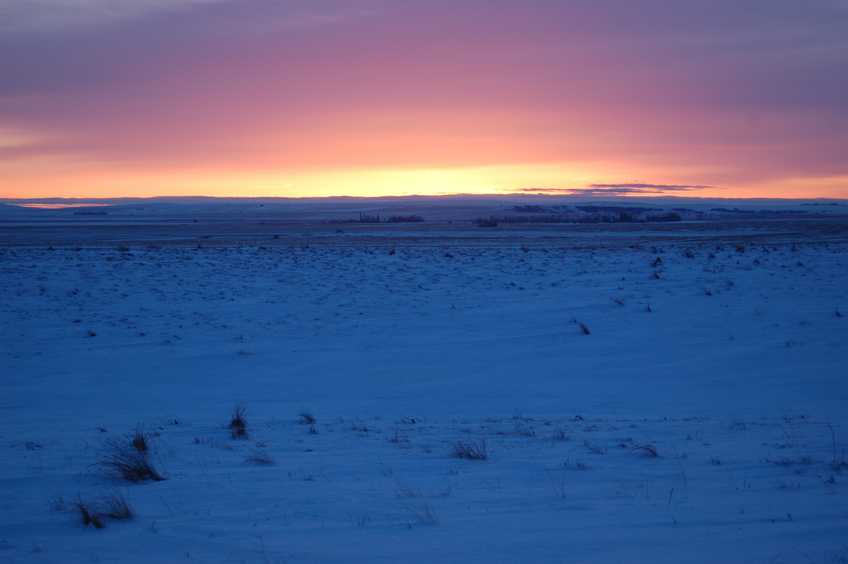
(553, 218)
(375, 218)
(608, 217)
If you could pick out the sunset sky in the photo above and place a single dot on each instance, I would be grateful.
(110, 98)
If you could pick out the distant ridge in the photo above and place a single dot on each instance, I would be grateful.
(452, 199)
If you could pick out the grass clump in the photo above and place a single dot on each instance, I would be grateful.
(130, 459)
(560, 435)
(422, 512)
(593, 446)
(238, 421)
(130, 464)
(57, 503)
(89, 514)
(113, 505)
(259, 456)
(110, 505)
(469, 451)
(646, 451)
(577, 464)
(141, 439)
(306, 417)
(417, 506)
(524, 431)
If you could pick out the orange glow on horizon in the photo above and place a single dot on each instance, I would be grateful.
(525, 179)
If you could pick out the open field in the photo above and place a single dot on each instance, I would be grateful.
(450, 222)
(431, 392)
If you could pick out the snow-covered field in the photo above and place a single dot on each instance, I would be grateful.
(662, 403)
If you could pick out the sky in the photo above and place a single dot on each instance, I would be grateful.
(306, 98)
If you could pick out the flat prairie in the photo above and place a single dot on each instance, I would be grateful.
(308, 388)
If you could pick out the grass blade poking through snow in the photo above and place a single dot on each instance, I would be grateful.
(418, 506)
(582, 325)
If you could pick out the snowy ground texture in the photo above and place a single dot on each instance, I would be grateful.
(682, 403)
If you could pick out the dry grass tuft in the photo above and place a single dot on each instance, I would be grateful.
(259, 456)
(111, 504)
(238, 421)
(593, 446)
(130, 464)
(469, 451)
(646, 451)
(306, 417)
(89, 514)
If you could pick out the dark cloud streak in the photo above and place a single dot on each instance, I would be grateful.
(663, 187)
(617, 189)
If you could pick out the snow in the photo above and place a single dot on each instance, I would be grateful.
(727, 358)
